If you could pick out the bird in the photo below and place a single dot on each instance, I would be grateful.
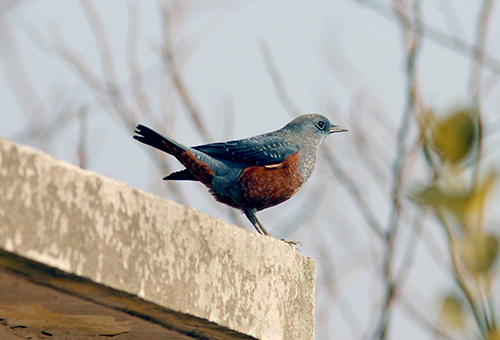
(254, 173)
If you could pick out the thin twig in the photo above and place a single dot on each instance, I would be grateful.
(475, 81)
(374, 162)
(16, 72)
(110, 83)
(136, 75)
(335, 165)
(277, 79)
(453, 43)
(82, 140)
(459, 277)
(171, 65)
(330, 282)
(479, 51)
(354, 190)
(104, 46)
(411, 38)
(422, 320)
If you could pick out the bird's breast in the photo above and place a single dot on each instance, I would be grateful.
(265, 186)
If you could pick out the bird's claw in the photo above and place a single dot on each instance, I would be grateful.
(291, 243)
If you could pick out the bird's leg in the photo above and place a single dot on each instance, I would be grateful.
(252, 217)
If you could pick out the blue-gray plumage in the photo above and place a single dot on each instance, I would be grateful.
(254, 173)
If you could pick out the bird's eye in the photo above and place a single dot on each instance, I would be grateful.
(320, 125)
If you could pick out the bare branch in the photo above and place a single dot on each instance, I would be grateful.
(171, 65)
(475, 80)
(421, 319)
(82, 139)
(335, 165)
(277, 79)
(479, 50)
(136, 75)
(354, 190)
(103, 43)
(16, 72)
(411, 39)
(453, 43)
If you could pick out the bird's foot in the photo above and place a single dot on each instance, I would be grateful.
(292, 243)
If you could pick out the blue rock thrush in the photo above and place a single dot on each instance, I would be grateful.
(250, 174)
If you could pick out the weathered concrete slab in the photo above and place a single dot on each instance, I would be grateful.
(172, 257)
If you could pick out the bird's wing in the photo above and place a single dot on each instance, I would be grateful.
(259, 150)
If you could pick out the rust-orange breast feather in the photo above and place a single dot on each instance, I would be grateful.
(266, 186)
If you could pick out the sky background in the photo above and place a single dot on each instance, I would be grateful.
(339, 58)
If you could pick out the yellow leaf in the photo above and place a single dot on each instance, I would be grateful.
(466, 205)
(476, 203)
(453, 201)
(493, 334)
(452, 312)
(454, 136)
(480, 250)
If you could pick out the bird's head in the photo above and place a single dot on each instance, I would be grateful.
(313, 127)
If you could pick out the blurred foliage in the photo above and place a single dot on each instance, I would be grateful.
(480, 250)
(494, 334)
(465, 204)
(458, 195)
(454, 137)
(453, 313)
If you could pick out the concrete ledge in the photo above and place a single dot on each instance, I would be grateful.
(171, 259)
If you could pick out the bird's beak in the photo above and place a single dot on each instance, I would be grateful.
(336, 128)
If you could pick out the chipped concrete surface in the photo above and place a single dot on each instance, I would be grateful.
(103, 230)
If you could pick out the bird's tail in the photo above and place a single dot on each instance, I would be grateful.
(182, 175)
(152, 138)
(196, 169)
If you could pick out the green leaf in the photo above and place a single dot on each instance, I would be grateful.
(466, 205)
(453, 312)
(454, 136)
(480, 250)
(476, 203)
(440, 199)
(493, 334)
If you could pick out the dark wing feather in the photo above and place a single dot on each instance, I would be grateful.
(259, 150)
